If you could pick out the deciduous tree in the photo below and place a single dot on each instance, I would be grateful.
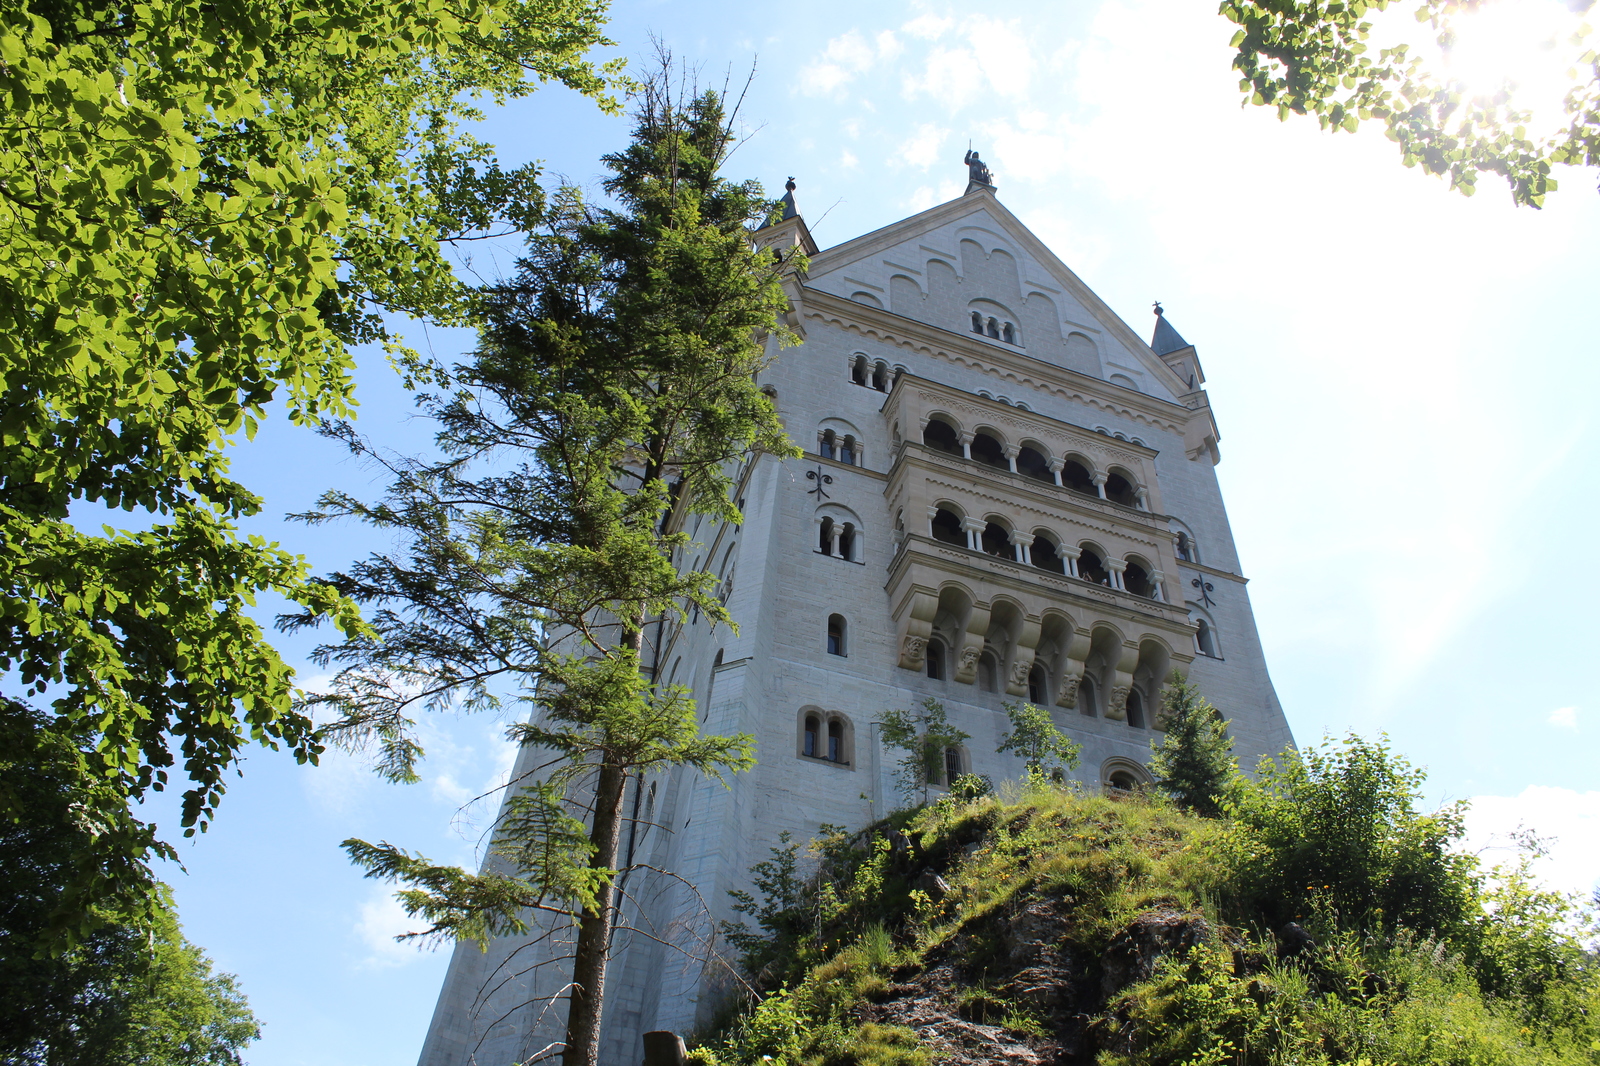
(1045, 749)
(202, 208)
(923, 734)
(1313, 57)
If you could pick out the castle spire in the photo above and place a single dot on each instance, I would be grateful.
(1166, 338)
(789, 231)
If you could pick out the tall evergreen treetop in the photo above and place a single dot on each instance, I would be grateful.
(1194, 762)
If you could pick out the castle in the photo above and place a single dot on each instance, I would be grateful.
(1006, 495)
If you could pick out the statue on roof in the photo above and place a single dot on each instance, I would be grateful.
(977, 170)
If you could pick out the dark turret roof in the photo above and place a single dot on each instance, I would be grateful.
(789, 209)
(1166, 338)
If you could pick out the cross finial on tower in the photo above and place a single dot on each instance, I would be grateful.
(1157, 306)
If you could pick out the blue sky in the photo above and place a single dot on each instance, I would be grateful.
(1403, 378)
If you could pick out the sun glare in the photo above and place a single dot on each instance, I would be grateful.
(1523, 45)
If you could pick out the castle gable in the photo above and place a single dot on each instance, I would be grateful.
(970, 266)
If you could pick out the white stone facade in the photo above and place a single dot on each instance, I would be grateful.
(1065, 395)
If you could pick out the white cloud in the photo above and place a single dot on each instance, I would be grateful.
(378, 921)
(922, 148)
(845, 56)
(1568, 821)
(928, 27)
(889, 46)
(848, 160)
(1564, 718)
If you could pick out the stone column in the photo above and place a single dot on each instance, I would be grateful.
(1115, 567)
(974, 528)
(1022, 543)
(1100, 484)
(1055, 469)
(1143, 499)
(966, 445)
(1157, 580)
(833, 547)
(1011, 458)
(1070, 557)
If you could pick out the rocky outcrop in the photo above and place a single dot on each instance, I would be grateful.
(1018, 991)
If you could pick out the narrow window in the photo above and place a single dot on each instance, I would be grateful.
(977, 323)
(935, 661)
(858, 370)
(1008, 334)
(988, 672)
(993, 329)
(836, 634)
(825, 537)
(880, 377)
(952, 766)
(1036, 686)
(1088, 699)
(847, 542)
(1135, 709)
(1203, 638)
(1185, 548)
(836, 741)
(827, 445)
(813, 727)
(847, 452)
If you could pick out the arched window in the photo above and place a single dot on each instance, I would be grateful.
(947, 528)
(977, 323)
(1185, 548)
(1088, 698)
(1205, 641)
(952, 765)
(1135, 708)
(1045, 557)
(813, 731)
(997, 542)
(1120, 490)
(835, 741)
(847, 542)
(825, 537)
(1036, 686)
(836, 634)
(858, 370)
(1136, 579)
(935, 660)
(941, 436)
(1075, 476)
(847, 451)
(828, 446)
(992, 329)
(988, 672)
(1031, 464)
(987, 450)
(1123, 781)
(880, 377)
(1092, 569)
(1008, 333)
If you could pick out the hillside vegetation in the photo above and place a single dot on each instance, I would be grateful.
(1319, 918)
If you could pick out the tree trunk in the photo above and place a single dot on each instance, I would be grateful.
(594, 929)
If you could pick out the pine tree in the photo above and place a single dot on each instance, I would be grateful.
(613, 390)
(1195, 762)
